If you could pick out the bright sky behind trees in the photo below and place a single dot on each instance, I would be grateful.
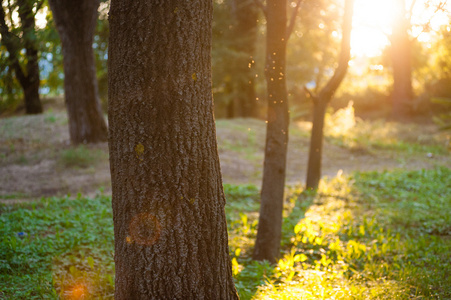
(373, 20)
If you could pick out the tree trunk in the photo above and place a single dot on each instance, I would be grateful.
(31, 83)
(246, 14)
(321, 101)
(75, 22)
(402, 94)
(267, 245)
(316, 143)
(29, 80)
(31, 88)
(168, 202)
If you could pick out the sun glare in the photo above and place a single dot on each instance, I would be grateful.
(373, 21)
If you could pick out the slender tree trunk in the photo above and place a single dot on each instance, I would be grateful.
(321, 101)
(402, 94)
(31, 83)
(267, 245)
(168, 201)
(28, 80)
(316, 143)
(31, 89)
(246, 14)
(76, 21)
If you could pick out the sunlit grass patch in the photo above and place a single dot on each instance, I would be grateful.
(358, 244)
(344, 129)
(242, 217)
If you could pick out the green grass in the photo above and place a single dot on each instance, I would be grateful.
(47, 245)
(80, 157)
(370, 236)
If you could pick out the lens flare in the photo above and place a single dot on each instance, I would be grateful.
(144, 229)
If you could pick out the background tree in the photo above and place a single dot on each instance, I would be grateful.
(75, 22)
(168, 200)
(321, 101)
(25, 67)
(403, 48)
(245, 31)
(401, 55)
(267, 244)
(235, 28)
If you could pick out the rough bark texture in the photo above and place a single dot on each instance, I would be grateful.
(75, 22)
(28, 79)
(316, 143)
(321, 101)
(267, 245)
(246, 14)
(168, 201)
(402, 95)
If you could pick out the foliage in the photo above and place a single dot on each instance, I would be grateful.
(18, 40)
(50, 245)
(342, 128)
(443, 119)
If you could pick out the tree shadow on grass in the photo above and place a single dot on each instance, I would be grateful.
(257, 273)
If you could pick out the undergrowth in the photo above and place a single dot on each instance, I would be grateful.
(370, 236)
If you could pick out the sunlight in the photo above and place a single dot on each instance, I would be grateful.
(373, 22)
(341, 122)
(41, 17)
(77, 292)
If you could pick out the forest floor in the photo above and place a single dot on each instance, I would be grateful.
(37, 159)
(369, 235)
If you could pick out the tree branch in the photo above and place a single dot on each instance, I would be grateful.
(310, 94)
(39, 5)
(8, 41)
(345, 54)
(293, 19)
(427, 26)
(412, 5)
(260, 4)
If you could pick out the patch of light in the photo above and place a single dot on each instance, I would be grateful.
(368, 42)
(41, 20)
(373, 20)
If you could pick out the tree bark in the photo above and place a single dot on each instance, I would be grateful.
(75, 22)
(246, 14)
(316, 143)
(168, 201)
(267, 245)
(31, 83)
(321, 101)
(401, 44)
(28, 80)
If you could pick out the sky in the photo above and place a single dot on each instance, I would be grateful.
(373, 19)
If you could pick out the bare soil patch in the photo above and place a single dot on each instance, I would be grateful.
(37, 160)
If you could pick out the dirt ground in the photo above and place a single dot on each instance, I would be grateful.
(37, 160)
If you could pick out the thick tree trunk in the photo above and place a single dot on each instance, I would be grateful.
(246, 14)
(168, 201)
(76, 21)
(267, 245)
(316, 143)
(29, 80)
(402, 94)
